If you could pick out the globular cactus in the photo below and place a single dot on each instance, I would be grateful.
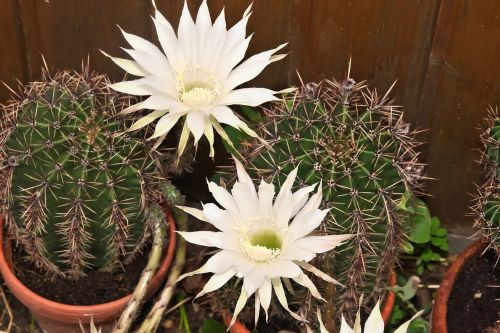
(487, 204)
(356, 145)
(76, 191)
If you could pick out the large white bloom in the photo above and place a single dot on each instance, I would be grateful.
(195, 76)
(261, 240)
(374, 323)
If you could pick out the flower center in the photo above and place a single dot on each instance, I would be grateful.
(197, 87)
(263, 246)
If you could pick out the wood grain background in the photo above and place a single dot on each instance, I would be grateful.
(445, 55)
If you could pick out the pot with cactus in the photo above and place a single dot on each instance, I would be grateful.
(80, 199)
(355, 144)
(469, 290)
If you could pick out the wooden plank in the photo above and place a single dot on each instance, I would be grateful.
(12, 55)
(387, 40)
(462, 80)
(66, 32)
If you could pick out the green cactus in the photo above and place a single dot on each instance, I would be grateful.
(77, 190)
(357, 146)
(487, 204)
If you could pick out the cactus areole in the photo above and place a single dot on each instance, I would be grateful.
(356, 144)
(77, 192)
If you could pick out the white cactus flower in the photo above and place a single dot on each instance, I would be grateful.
(195, 77)
(374, 323)
(262, 239)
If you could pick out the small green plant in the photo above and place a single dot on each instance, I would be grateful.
(428, 241)
(77, 192)
(426, 248)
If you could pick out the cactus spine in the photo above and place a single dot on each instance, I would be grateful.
(486, 210)
(357, 146)
(76, 195)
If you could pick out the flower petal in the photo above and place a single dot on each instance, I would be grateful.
(147, 119)
(219, 263)
(266, 195)
(257, 309)
(344, 327)
(253, 280)
(129, 66)
(283, 210)
(321, 244)
(219, 218)
(221, 240)
(168, 39)
(223, 197)
(304, 280)
(304, 225)
(292, 252)
(225, 115)
(215, 282)
(250, 68)
(187, 34)
(246, 199)
(300, 198)
(199, 214)
(265, 294)
(403, 328)
(375, 322)
(281, 268)
(318, 273)
(165, 124)
(133, 87)
(280, 293)
(155, 65)
(240, 304)
(313, 203)
(209, 134)
(286, 187)
(196, 124)
(248, 96)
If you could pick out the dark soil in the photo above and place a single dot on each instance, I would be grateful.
(472, 306)
(95, 288)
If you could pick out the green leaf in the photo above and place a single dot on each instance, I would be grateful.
(438, 241)
(444, 247)
(441, 232)
(421, 223)
(434, 223)
(420, 270)
(404, 203)
(418, 325)
(212, 326)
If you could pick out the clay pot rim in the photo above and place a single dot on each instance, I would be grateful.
(387, 308)
(80, 313)
(440, 307)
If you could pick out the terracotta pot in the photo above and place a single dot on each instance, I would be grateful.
(54, 317)
(390, 298)
(440, 308)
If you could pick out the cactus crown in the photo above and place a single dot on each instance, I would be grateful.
(486, 210)
(355, 144)
(76, 195)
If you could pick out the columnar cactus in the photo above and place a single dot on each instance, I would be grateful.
(76, 190)
(357, 146)
(487, 206)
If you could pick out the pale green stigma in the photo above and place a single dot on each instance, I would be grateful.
(263, 246)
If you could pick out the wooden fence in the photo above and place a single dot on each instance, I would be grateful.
(445, 55)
